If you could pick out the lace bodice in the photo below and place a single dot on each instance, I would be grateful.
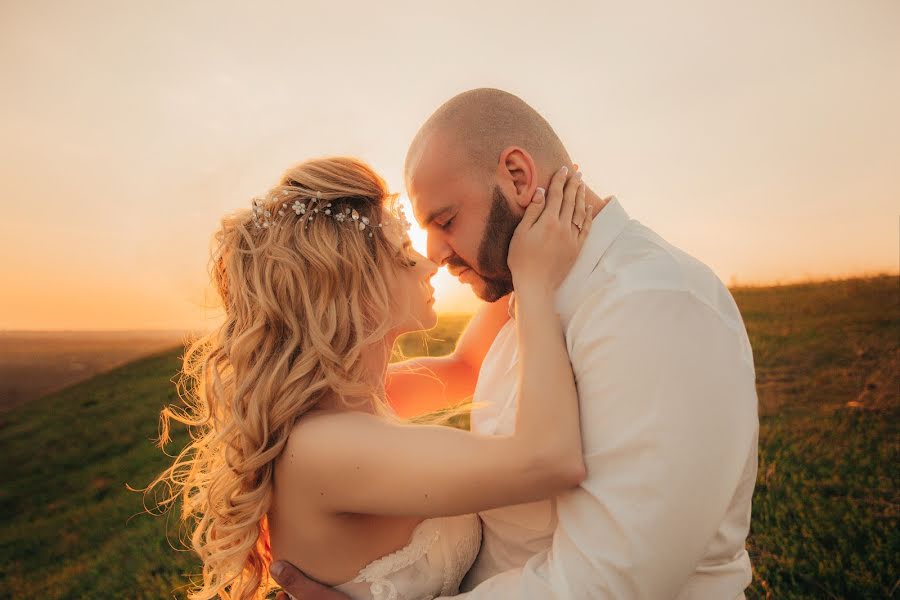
(439, 553)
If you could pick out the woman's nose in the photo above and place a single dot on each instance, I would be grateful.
(429, 267)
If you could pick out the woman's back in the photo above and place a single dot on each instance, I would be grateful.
(365, 556)
(329, 548)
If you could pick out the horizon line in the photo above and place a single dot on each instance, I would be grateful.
(738, 285)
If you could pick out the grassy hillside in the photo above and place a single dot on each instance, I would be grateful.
(828, 375)
(36, 363)
(825, 511)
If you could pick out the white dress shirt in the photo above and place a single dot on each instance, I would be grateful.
(669, 423)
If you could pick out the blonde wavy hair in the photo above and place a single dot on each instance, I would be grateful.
(302, 301)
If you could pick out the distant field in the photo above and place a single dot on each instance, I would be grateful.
(435, 342)
(35, 363)
(825, 511)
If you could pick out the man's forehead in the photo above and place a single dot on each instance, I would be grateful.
(433, 156)
(430, 187)
(431, 146)
(438, 174)
(429, 198)
(425, 211)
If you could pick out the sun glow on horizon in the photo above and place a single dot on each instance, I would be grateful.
(451, 296)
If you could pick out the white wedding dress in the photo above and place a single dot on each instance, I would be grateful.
(439, 553)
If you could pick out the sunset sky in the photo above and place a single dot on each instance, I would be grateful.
(761, 137)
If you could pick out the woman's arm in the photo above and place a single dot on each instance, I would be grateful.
(354, 462)
(426, 384)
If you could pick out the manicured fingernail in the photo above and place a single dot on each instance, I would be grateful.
(564, 171)
(578, 175)
(276, 569)
(539, 194)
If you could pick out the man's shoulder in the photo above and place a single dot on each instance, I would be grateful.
(641, 260)
(641, 263)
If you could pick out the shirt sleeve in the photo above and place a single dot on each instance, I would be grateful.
(669, 414)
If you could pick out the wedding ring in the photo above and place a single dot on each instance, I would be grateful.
(578, 225)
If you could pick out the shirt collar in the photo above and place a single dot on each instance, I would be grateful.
(607, 226)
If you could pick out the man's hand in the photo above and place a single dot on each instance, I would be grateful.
(299, 585)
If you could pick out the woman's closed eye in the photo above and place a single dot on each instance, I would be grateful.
(446, 224)
(406, 253)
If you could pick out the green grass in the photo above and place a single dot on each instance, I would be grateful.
(827, 497)
(67, 527)
(824, 515)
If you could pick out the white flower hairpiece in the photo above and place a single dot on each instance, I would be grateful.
(309, 208)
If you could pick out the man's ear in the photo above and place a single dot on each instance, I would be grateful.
(517, 175)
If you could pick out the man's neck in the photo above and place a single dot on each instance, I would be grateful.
(595, 202)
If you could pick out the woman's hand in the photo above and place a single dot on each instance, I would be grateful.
(550, 235)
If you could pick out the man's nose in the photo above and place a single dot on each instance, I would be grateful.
(437, 249)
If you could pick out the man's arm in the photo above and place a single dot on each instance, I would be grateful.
(422, 385)
(669, 416)
(299, 586)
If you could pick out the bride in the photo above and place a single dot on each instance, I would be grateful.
(295, 452)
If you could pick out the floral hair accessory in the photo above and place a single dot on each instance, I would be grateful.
(309, 208)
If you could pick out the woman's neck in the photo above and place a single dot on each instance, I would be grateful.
(375, 363)
(375, 360)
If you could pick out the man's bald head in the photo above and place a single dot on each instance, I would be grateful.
(481, 123)
(471, 171)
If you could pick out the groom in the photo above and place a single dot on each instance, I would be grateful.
(663, 366)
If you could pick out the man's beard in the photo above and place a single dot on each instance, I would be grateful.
(493, 250)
